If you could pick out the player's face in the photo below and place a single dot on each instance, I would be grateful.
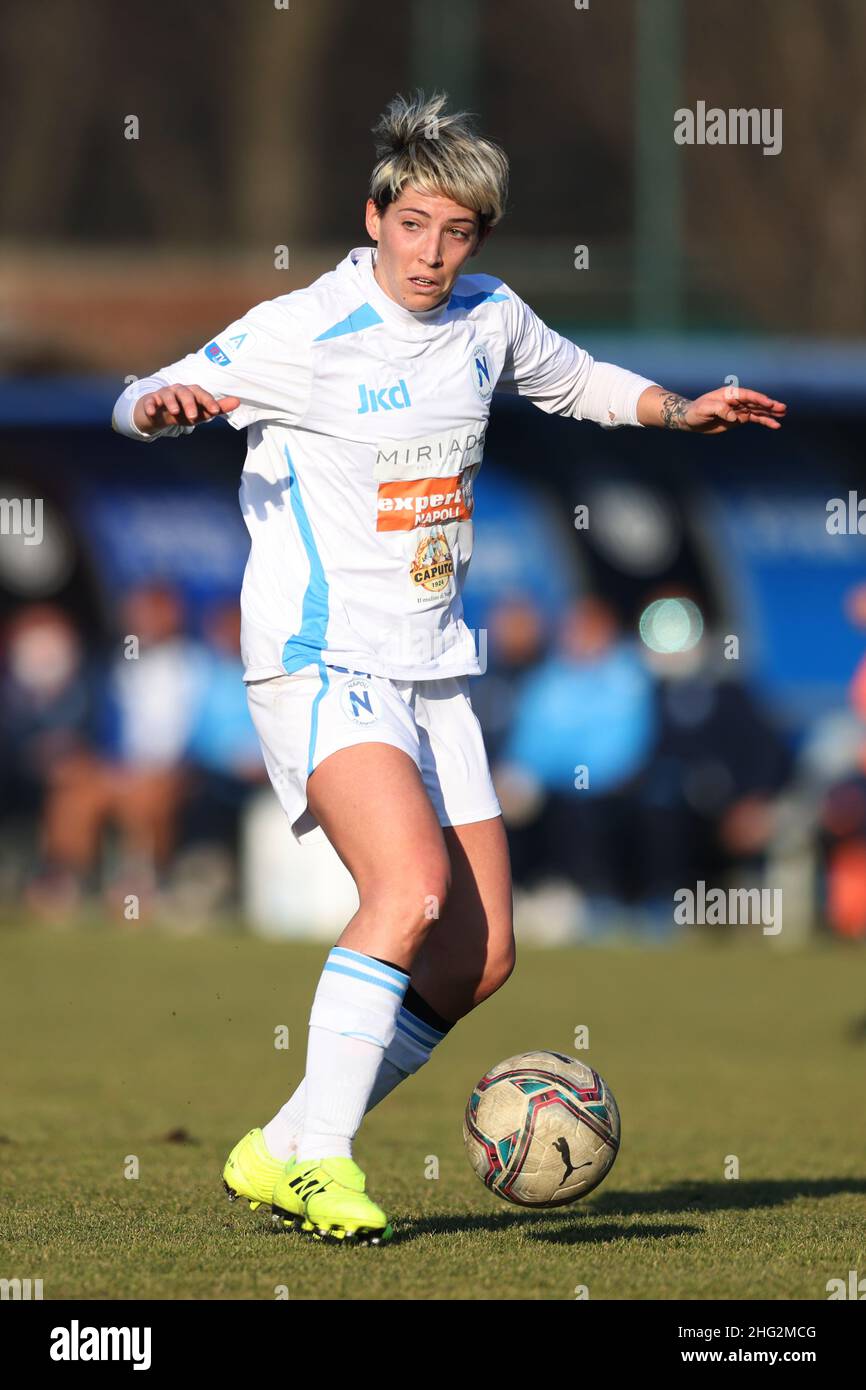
(423, 240)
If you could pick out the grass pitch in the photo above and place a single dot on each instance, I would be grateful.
(139, 1044)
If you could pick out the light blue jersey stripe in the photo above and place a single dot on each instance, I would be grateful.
(364, 316)
(306, 646)
(471, 301)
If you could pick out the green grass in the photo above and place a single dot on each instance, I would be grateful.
(112, 1041)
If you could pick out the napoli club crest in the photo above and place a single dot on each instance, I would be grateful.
(482, 371)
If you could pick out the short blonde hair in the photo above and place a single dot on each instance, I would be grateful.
(417, 143)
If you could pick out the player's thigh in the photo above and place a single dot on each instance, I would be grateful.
(470, 952)
(342, 754)
(371, 802)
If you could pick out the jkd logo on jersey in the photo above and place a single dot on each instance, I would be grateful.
(403, 505)
(389, 398)
(359, 702)
(433, 566)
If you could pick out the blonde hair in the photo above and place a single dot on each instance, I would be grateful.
(416, 143)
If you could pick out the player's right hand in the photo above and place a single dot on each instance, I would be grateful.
(179, 405)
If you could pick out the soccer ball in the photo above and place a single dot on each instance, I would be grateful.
(541, 1129)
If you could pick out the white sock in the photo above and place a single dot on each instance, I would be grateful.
(411, 1046)
(352, 1021)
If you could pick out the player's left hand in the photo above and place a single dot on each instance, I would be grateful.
(729, 406)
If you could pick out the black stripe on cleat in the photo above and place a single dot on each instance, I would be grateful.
(232, 1195)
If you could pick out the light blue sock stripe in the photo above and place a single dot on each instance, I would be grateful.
(416, 1037)
(422, 1027)
(401, 1028)
(368, 979)
(370, 962)
(367, 1036)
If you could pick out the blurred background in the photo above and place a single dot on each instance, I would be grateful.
(671, 628)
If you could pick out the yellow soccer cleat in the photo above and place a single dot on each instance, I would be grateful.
(325, 1198)
(251, 1171)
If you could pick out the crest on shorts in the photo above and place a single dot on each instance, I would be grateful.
(359, 701)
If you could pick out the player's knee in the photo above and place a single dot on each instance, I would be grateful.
(470, 986)
(497, 970)
(410, 903)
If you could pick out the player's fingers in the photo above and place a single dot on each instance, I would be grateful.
(209, 404)
(188, 404)
(228, 403)
(751, 410)
(764, 404)
(756, 417)
(170, 402)
(752, 397)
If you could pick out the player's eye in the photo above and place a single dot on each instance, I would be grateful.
(410, 223)
(459, 232)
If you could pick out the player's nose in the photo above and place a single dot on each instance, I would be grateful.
(431, 251)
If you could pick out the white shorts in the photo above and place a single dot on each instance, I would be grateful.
(301, 719)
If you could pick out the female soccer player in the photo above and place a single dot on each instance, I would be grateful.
(366, 397)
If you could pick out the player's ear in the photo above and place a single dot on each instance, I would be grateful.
(372, 219)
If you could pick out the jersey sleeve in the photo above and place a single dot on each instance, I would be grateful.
(262, 358)
(561, 378)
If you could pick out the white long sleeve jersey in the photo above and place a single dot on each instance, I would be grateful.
(366, 426)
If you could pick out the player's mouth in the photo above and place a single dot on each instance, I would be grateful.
(424, 284)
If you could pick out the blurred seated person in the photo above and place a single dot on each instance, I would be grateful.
(223, 747)
(584, 729)
(516, 642)
(843, 809)
(708, 798)
(46, 706)
(135, 785)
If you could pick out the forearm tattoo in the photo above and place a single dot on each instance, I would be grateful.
(674, 409)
